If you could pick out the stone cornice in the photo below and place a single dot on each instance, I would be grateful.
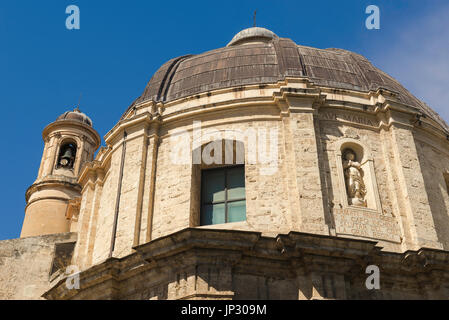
(92, 169)
(293, 253)
(60, 125)
(286, 95)
(146, 118)
(97, 170)
(66, 200)
(50, 183)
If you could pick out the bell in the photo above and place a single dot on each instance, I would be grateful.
(68, 154)
(67, 157)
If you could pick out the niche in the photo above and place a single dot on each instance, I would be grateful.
(357, 179)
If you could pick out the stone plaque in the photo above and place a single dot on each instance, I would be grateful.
(367, 224)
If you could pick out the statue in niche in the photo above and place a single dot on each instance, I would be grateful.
(67, 157)
(354, 179)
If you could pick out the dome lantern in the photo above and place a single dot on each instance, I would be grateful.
(254, 34)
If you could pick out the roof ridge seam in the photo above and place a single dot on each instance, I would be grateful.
(172, 73)
(164, 79)
(367, 83)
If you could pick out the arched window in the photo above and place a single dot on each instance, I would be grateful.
(221, 175)
(67, 155)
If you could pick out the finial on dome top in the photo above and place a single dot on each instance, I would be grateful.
(77, 109)
(254, 34)
(79, 103)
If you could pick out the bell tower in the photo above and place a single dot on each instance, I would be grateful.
(70, 142)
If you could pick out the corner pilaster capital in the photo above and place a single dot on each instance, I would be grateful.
(299, 100)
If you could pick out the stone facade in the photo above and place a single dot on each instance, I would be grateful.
(225, 264)
(137, 211)
(28, 265)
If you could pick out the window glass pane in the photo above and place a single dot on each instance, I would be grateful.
(213, 214)
(236, 183)
(236, 211)
(213, 186)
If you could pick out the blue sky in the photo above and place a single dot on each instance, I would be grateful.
(44, 67)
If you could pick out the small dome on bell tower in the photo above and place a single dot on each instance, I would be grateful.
(75, 115)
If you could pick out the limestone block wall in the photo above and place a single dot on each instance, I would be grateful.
(131, 193)
(26, 265)
(267, 195)
(434, 164)
(147, 191)
(171, 193)
(153, 196)
(412, 190)
(378, 222)
(145, 214)
(102, 242)
(311, 215)
(228, 264)
(411, 200)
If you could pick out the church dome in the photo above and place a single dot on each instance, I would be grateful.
(241, 160)
(75, 115)
(258, 56)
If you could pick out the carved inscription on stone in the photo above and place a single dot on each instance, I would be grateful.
(349, 117)
(363, 223)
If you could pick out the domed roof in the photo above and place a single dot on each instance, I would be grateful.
(75, 115)
(245, 61)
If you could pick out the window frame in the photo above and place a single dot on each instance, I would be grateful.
(226, 200)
